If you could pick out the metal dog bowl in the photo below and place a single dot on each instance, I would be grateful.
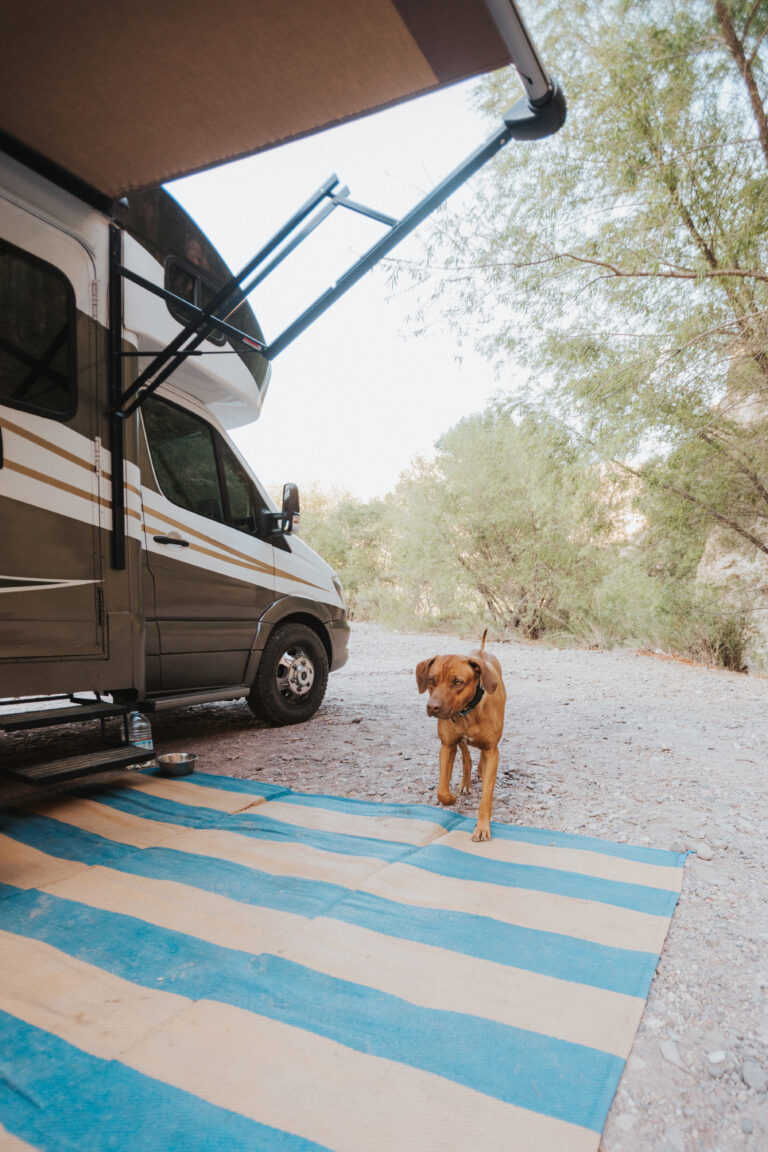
(176, 763)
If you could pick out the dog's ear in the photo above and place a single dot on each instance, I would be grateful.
(422, 673)
(487, 673)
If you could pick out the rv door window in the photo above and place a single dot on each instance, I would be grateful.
(239, 490)
(38, 370)
(196, 468)
(181, 446)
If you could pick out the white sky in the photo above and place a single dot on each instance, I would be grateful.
(357, 396)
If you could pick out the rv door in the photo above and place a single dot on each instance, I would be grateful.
(209, 576)
(51, 592)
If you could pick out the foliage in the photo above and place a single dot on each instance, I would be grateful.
(507, 515)
(352, 536)
(622, 268)
(512, 524)
(623, 263)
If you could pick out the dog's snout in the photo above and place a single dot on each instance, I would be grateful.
(433, 708)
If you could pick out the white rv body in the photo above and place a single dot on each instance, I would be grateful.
(183, 617)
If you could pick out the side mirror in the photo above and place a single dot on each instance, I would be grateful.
(286, 522)
(291, 507)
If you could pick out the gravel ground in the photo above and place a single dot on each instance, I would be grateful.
(627, 746)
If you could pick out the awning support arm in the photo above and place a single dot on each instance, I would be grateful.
(522, 122)
(228, 298)
(172, 298)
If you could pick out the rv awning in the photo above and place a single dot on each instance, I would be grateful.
(127, 96)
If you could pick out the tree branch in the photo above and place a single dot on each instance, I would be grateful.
(752, 13)
(759, 41)
(739, 458)
(736, 48)
(679, 273)
(710, 511)
(673, 274)
(715, 515)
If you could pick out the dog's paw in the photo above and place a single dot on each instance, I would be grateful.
(447, 798)
(465, 789)
(481, 833)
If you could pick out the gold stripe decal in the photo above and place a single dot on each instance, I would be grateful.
(164, 519)
(43, 443)
(233, 555)
(62, 486)
(252, 565)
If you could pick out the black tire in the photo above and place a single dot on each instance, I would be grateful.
(292, 676)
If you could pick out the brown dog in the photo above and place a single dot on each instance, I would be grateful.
(467, 695)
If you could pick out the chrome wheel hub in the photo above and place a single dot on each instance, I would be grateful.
(295, 674)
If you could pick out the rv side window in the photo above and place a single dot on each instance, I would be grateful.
(195, 468)
(186, 281)
(38, 369)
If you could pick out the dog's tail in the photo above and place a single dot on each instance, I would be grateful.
(482, 642)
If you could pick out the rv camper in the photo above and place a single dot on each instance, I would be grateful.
(211, 581)
(142, 564)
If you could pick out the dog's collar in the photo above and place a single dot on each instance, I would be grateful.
(472, 704)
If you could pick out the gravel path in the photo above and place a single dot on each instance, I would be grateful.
(622, 745)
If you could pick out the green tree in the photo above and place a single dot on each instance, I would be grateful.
(510, 524)
(623, 262)
(352, 536)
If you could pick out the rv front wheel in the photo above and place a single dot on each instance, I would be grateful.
(292, 676)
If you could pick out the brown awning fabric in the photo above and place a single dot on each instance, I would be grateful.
(127, 96)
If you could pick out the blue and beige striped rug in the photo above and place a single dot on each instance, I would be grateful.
(216, 964)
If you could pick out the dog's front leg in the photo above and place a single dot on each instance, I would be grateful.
(447, 757)
(466, 778)
(489, 763)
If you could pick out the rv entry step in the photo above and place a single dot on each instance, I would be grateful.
(107, 756)
(72, 767)
(74, 713)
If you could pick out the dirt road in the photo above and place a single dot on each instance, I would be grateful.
(625, 746)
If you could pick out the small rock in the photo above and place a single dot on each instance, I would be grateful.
(754, 1077)
(675, 1139)
(662, 831)
(716, 1057)
(747, 1126)
(670, 1053)
(625, 1121)
(677, 846)
(704, 852)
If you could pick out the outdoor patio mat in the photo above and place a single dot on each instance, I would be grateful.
(220, 964)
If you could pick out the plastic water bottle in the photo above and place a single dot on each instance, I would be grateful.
(140, 731)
